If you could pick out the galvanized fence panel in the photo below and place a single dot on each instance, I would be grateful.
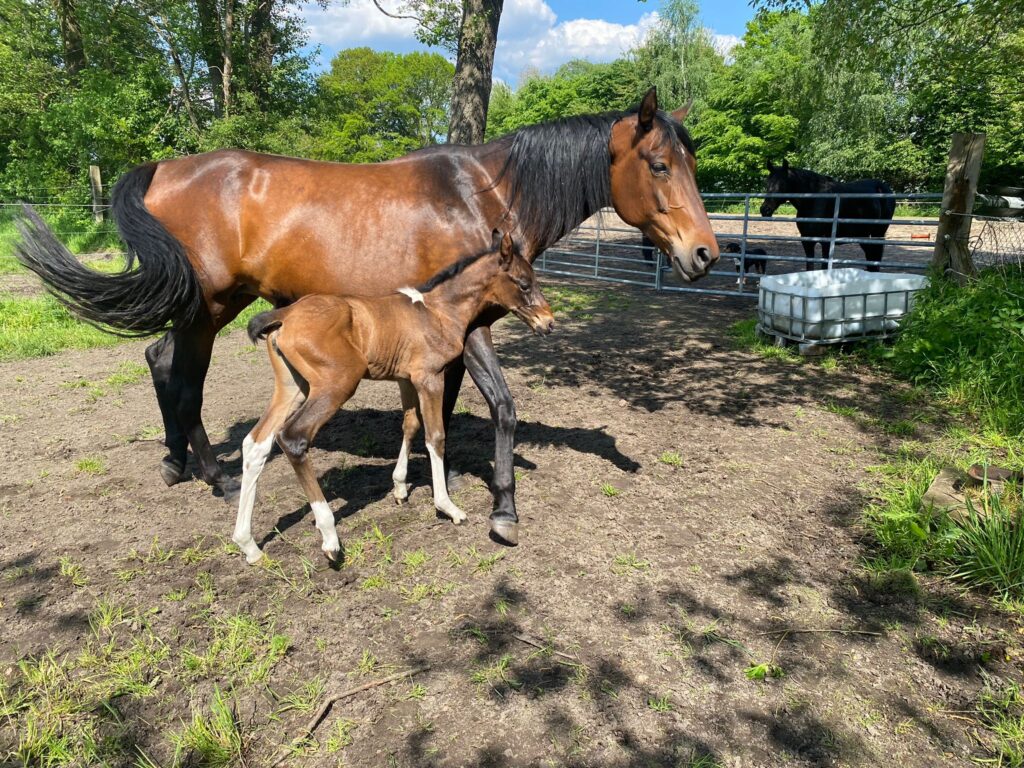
(605, 248)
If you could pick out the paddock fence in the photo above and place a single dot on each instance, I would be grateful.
(607, 249)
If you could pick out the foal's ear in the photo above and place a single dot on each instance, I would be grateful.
(648, 109)
(770, 165)
(681, 113)
(508, 251)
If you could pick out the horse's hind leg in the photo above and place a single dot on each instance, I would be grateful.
(160, 357)
(410, 426)
(808, 253)
(256, 449)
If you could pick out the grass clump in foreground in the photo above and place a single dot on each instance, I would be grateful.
(744, 336)
(38, 326)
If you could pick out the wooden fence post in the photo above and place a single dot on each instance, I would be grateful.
(952, 249)
(96, 185)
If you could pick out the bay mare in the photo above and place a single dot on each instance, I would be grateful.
(212, 232)
(783, 179)
(321, 347)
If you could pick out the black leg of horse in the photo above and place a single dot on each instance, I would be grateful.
(826, 248)
(808, 253)
(160, 356)
(873, 252)
(192, 350)
(453, 376)
(483, 365)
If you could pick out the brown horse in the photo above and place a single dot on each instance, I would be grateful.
(214, 231)
(321, 347)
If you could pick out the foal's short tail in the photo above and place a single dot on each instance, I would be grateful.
(264, 323)
(163, 292)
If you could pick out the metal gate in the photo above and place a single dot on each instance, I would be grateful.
(606, 248)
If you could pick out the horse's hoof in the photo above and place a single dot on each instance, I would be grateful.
(228, 488)
(505, 532)
(400, 501)
(171, 472)
(456, 481)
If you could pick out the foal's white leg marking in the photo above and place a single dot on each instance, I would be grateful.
(441, 500)
(325, 524)
(254, 457)
(413, 294)
(401, 471)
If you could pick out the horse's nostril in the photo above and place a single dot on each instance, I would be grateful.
(703, 255)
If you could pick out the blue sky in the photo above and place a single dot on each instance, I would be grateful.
(534, 34)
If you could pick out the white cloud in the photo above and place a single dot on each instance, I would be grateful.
(725, 44)
(530, 34)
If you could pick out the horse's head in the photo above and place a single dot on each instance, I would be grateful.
(654, 186)
(515, 286)
(779, 182)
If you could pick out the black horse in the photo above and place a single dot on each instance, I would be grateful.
(783, 180)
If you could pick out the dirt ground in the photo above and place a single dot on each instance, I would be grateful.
(650, 588)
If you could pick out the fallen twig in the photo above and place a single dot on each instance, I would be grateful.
(329, 702)
(546, 648)
(823, 631)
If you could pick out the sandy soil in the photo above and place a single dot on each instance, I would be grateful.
(661, 584)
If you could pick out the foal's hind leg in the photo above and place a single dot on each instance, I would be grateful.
(297, 435)
(430, 394)
(256, 448)
(410, 426)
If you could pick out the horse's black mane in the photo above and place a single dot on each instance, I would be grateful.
(452, 270)
(559, 171)
(816, 181)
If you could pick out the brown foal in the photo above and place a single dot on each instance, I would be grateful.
(322, 346)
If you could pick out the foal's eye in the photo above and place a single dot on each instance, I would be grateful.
(524, 285)
(659, 168)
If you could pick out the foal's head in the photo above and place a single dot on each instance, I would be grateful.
(654, 186)
(780, 181)
(515, 286)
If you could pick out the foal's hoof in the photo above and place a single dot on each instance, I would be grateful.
(456, 481)
(171, 471)
(505, 532)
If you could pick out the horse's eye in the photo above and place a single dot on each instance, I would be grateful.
(659, 168)
(524, 285)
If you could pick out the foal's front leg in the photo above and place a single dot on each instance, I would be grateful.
(431, 395)
(410, 426)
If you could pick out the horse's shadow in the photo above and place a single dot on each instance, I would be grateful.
(374, 436)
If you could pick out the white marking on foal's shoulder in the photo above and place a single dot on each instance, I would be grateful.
(413, 294)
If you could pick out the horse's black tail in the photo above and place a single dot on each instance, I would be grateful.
(263, 323)
(164, 291)
(888, 203)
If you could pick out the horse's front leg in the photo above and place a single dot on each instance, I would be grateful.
(483, 366)
(808, 252)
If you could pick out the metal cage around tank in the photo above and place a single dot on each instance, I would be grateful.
(605, 248)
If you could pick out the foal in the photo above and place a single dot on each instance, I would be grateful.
(321, 346)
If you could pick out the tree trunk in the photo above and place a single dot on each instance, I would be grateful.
(227, 54)
(261, 51)
(210, 46)
(70, 36)
(471, 88)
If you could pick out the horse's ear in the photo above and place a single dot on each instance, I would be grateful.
(770, 165)
(681, 113)
(648, 109)
(785, 164)
(508, 251)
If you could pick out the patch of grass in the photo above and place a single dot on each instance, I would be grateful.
(416, 693)
(763, 671)
(486, 563)
(73, 571)
(303, 699)
(495, 674)
(1001, 712)
(91, 465)
(340, 735)
(659, 703)
(37, 326)
(368, 663)
(241, 648)
(671, 458)
(423, 590)
(414, 560)
(744, 336)
(127, 373)
(570, 301)
(610, 490)
(988, 548)
(214, 740)
(629, 562)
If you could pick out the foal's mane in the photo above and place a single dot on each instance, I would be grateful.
(452, 270)
(559, 171)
